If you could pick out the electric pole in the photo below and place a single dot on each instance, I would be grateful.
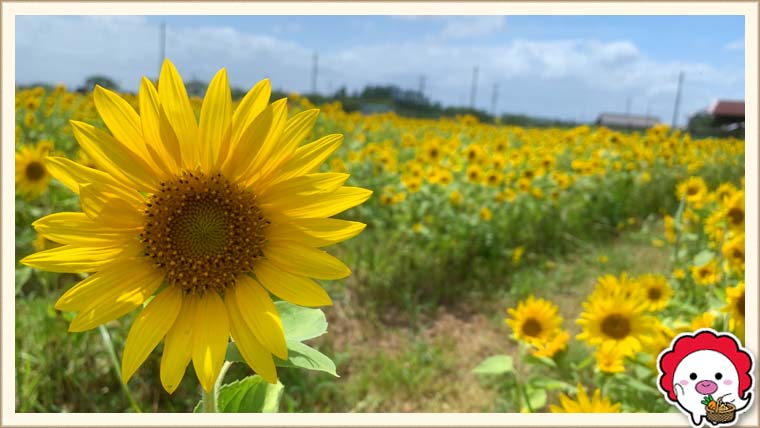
(474, 86)
(161, 46)
(314, 63)
(678, 101)
(494, 99)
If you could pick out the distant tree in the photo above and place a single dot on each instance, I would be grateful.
(98, 79)
(196, 88)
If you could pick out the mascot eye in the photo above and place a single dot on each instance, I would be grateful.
(718, 376)
(693, 376)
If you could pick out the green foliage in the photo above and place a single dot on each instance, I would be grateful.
(250, 395)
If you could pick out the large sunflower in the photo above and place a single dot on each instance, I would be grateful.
(209, 216)
(32, 177)
(616, 319)
(656, 290)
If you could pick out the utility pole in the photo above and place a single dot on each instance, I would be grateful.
(474, 86)
(678, 101)
(494, 99)
(314, 63)
(161, 46)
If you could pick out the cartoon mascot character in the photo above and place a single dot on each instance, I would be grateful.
(707, 375)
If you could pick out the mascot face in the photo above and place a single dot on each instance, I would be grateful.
(703, 367)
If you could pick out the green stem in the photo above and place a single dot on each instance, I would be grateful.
(115, 364)
(210, 398)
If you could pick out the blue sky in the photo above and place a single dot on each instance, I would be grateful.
(570, 67)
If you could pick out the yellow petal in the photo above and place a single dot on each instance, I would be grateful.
(252, 104)
(302, 260)
(149, 327)
(211, 333)
(179, 112)
(121, 119)
(260, 315)
(293, 288)
(72, 174)
(114, 157)
(74, 259)
(77, 228)
(296, 129)
(315, 232)
(318, 205)
(253, 352)
(216, 118)
(162, 149)
(178, 345)
(118, 296)
(309, 157)
(104, 204)
(302, 185)
(250, 142)
(159, 136)
(267, 146)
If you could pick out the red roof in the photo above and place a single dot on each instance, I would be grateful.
(727, 108)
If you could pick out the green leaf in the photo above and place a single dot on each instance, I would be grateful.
(250, 395)
(233, 354)
(22, 276)
(703, 257)
(306, 357)
(301, 323)
(552, 384)
(498, 364)
(536, 398)
(541, 360)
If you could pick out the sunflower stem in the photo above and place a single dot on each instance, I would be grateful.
(210, 398)
(115, 364)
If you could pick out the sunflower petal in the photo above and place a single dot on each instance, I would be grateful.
(316, 232)
(178, 345)
(72, 174)
(249, 144)
(114, 157)
(77, 228)
(299, 259)
(159, 136)
(253, 352)
(309, 157)
(293, 288)
(296, 130)
(216, 118)
(260, 315)
(117, 296)
(325, 182)
(267, 146)
(150, 326)
(253, 103)
(211, 333)
(319, 205)
(121, 119)
(179, 112)
(74, 259)
(105, 205)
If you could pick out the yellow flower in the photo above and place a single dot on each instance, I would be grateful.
(694, 190)
(656, 290)
(517, 255)
(735, 306)
(597, 404)
(208, 216)
(706, 274)
(679, 273)
(534, 321)
(603, 259)
(670, 229)
(549, 348)
(734, 212)
(32, 175)
(485, 214)
(455, 197)
(659, 243)
(609, 358)
(733, 251)
(704, 320)
(615, 318)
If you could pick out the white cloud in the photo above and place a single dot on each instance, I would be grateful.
(463, 27)
(736, 45)
(560, 78)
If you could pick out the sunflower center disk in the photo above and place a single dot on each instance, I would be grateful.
(34, 171)
(531, 328)
(654, 294)
(736, 216)
(740, 304)
(616, 326)
(203, 231)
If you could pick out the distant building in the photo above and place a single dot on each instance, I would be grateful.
(626, 121)
(727, 114)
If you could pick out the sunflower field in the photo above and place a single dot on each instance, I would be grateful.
(502, 269)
